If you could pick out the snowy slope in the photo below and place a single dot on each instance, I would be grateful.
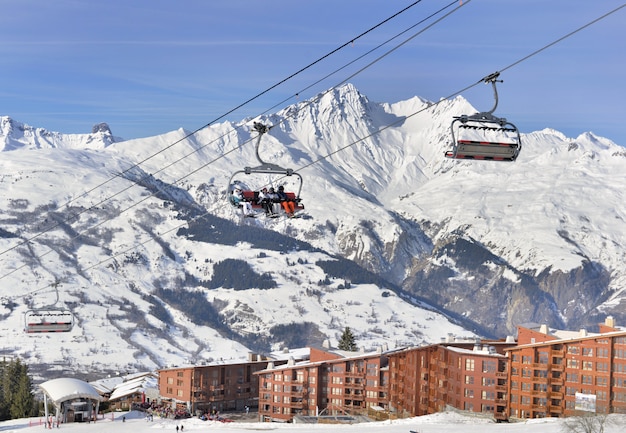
(483, 242)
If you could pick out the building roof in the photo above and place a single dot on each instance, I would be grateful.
(136, 384)
(106, 385)
(63, 389)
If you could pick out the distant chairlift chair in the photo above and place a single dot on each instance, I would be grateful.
(48, 319)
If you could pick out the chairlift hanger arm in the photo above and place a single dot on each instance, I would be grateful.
(493, 79)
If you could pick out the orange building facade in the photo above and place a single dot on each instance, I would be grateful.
(556, 374)
(464, 375)
(220, 387)
(545, 373)
(330, 382)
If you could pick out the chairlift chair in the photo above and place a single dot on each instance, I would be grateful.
(483, 136)
(49, 319)
(251, 195)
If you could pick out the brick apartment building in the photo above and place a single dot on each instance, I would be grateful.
(331, 382)
(466, 375)
(559, 373)
(545, 373)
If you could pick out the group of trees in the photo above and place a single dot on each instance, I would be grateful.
(16, 394)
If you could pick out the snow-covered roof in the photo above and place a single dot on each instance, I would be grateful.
(106, 385)
(139, 383)
(63, 389)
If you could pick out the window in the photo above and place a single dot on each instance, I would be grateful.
(170, 381)
(601, 381)
(602, 352)
(469, 393)
(489, 381)
(488, 395)
(571, 377)
(527, 359)
(619, 382)
(588, 365)
(573, 350)
(469, 365)
(469, 380)
(543, 357)
(572, 363)
(602, 366)
(619, 367)
(587, 351)
(586, 380)
(489, 366)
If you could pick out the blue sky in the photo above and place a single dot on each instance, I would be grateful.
(147, 67)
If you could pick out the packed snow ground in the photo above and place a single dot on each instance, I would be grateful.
(436, 423)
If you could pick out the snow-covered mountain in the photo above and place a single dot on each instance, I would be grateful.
(15, 135)
(397, 242)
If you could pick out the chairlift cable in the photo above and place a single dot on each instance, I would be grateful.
(198, 149)
(203, 166)
(85, 193)
(360, 139)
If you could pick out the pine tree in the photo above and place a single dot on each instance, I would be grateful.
(22, 402)
(4, 386)
(16, 396)
(347, 341)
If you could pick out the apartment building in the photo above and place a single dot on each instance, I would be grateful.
(331, 382)
(466, 375)
(559, 373)
(221, 386)
(545, 373)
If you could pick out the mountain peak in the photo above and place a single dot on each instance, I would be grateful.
(15, 135)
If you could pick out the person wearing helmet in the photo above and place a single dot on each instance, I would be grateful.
(239, 201)
(288, 205)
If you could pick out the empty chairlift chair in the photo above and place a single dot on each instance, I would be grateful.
(483, 136)
(48, 320)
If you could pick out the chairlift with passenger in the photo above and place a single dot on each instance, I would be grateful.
(249, 193)
(483, 136)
